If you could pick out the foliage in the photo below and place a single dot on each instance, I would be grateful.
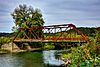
(87, 55)
(83, 56)
(27, 17)
(48, 46)
(97, 37)
(91, 31)
(4, 40)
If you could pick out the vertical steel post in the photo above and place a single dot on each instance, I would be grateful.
(70, 34)
(55, 33)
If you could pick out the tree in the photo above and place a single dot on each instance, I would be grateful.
(27, 17)
(98, 35)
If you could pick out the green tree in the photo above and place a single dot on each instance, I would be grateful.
(27, 17)
(97, 37)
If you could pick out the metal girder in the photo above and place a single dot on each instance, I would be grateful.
(52, 32)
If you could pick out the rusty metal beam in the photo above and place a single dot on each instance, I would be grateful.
(53, 34)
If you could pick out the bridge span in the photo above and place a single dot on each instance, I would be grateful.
(52, 33)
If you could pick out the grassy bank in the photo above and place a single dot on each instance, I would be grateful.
(84, 56)
(87, 55)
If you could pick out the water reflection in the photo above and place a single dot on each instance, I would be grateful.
(7, 60)
(49, 58)
(30, 59)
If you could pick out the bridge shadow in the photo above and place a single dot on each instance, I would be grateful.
(40, 46)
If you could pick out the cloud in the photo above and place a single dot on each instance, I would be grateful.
(78, 12)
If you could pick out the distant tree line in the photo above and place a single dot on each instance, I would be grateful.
(87, 30)
(6, 34)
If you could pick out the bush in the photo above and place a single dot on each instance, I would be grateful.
(83, 56)
(4, 40)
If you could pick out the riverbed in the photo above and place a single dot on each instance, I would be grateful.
(32, 59)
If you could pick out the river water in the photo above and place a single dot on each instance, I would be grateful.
(31, 59)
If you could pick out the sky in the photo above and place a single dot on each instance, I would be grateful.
(82, 13)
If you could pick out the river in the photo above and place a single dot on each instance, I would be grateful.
(31, 59)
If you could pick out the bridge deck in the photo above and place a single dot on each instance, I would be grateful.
(47, 41)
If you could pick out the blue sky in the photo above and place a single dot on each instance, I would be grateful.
(82, 13)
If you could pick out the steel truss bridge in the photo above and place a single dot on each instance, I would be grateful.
(52, 33)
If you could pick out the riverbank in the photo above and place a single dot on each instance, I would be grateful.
(2, 51)
(13, 48)
(87, 55)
